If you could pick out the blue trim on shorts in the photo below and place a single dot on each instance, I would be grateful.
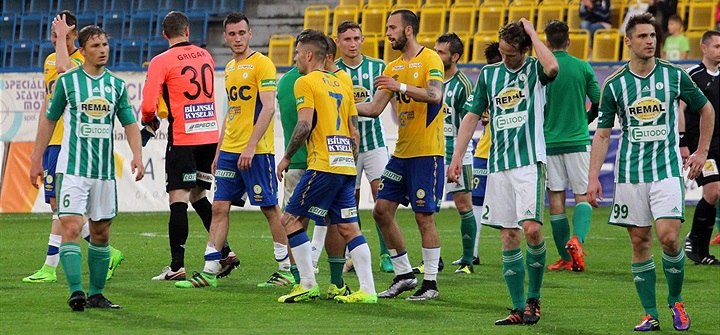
(419, 179)
(232, 183)
(319, 194)
(49, 163)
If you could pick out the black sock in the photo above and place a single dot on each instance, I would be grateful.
(702, 228)
(203, 207)
(225, 250)
(429, 284)
(178, 232)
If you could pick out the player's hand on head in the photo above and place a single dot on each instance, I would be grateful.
(61, 26)
(527, 25)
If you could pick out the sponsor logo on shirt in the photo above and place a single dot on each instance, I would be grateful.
(338, 144)
(509, 121)
(480, 172)
(299, 100)
(340, 161)
(246, 67)
(361, 94)
(436, 73)
(405, 117)
(648, 133)
(203, 110)
(96, 107)
(268, 83)
(398, 67)
(94, 130)
(510, 97)
(200, 127)
(646, 109)
(414, 65)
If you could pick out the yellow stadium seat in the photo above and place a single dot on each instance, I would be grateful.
(371, 46)
(516, 12)
(625, 50)
(357, 3)
(344, 13)
(554, 2)
(317, 17)
(389, 54)
(280, 50)
(466, 39)
(412, 8)
(408, 3)
(427, 40)
(475, 3)
(491, 17)
(445, 3)
(432, 20)
(480, 42)
(694, 38)
(579, 43)
(617, 12)
(523, 3)
(573, 15)
(462, 19)
(383, 3)
(700, 15)
(547, 13)
(606, 45)
(373, 20)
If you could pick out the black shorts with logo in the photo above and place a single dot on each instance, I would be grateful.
(189, 166)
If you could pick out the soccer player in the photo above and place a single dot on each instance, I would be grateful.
(245, 159)
(327, 122)
(568, 143)
(65, 57)
(705, 75)
(88, 99)
(648, 177)
(457, 89)
(415, 168)
(373, 151)
(183, 77)
(514, 94)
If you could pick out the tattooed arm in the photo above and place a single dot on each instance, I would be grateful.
(355, 137)
(430, 94)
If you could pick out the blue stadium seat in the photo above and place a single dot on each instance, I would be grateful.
(41, 7)
(142, 26)
(198, 28)
(22, 55)
(227, 6)
(149, 6)
(126, 6)
(181, 5)
(155, 48)
(8, 24)
(71, 5)
(13, 6)
(86, 19)
(159, 28)
(46, 48)
(209, 6)
(31, 28)
(132, 52)
(95, 6)
(114, 25)
(3, 54)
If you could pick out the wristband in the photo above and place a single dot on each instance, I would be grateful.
(683, 140)
(403, 88)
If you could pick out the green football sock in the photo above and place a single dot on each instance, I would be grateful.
(561, 234)
(535, 259)
(514, 273)
(295, 273)
(383, 247)
(98, 263)
(336, 270)
(581, 220)
(468, 229)
(644, 277)
(71, 258)
(674, 269)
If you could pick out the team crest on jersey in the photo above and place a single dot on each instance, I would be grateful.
(361, 94)
(365, 76)
(233, 112)
(646, 109)
(245, 75)
(522, 77)
(420, 193)
(257, 189)
(96, 107)
(659, 86)
(510, 97)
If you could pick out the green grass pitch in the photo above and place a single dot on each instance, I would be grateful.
(601, 300)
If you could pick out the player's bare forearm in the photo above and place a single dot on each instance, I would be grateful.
(544, 55)
(430, 94)
(299, 135)
(134, 140)
(375, 107)
(46, 127)
(355, 137)
(598, 151)
(43, 109)
(465, 132)
(266, 115)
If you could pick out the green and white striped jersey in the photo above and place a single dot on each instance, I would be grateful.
(516, 102)
(88, 106)
(456, 92)
(372, 133)
(647, 110)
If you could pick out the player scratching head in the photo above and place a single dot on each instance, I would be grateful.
(95, 48)
(311, 51)
(70, 22)
(641, 37)
(514, 45)
(238, 34)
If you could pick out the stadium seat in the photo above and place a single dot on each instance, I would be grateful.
(480, 42)
(40, 7)
(606, 45)
(466, 39)
(427, 40)
(181, 5)
(373, 20)
(22, 55)
(3, 54)
(281, 50)
(344, 13)
(432, 20)
(413, 3)
(210, 6)
(317, 17)
(700, 15)
(87, 18)
(462, 19)
(694, 37)
(13, 6)
(625, 50)
(155, 48)
(381, 3)
(198, 28)
(46, 48)
(445, 3)
(518, 10)
(491, 17)
(96, 6)
(132, 52)
(617, 12)
(114, 25)
(371, 46)
(71, 5)
(142, 26)
(152, 6)
(579, 43)
(573, 15)
(8, 26)
(547, 13)
(411, 8)
(126, 6)
(32, 27)
(474, 3)
(357, 3)
(227, 6)
(389, 54)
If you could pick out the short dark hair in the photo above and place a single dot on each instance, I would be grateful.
(708, 35)
(235, 17)
(70, 18)
(557, 33)
(88, 32)
(316, 39)
(332, 47)
(492, 53)
(514, 34)
(644, 18)
(408, 19)
(455, 44)
(676, 18)
(347, 25)
(174, 24)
